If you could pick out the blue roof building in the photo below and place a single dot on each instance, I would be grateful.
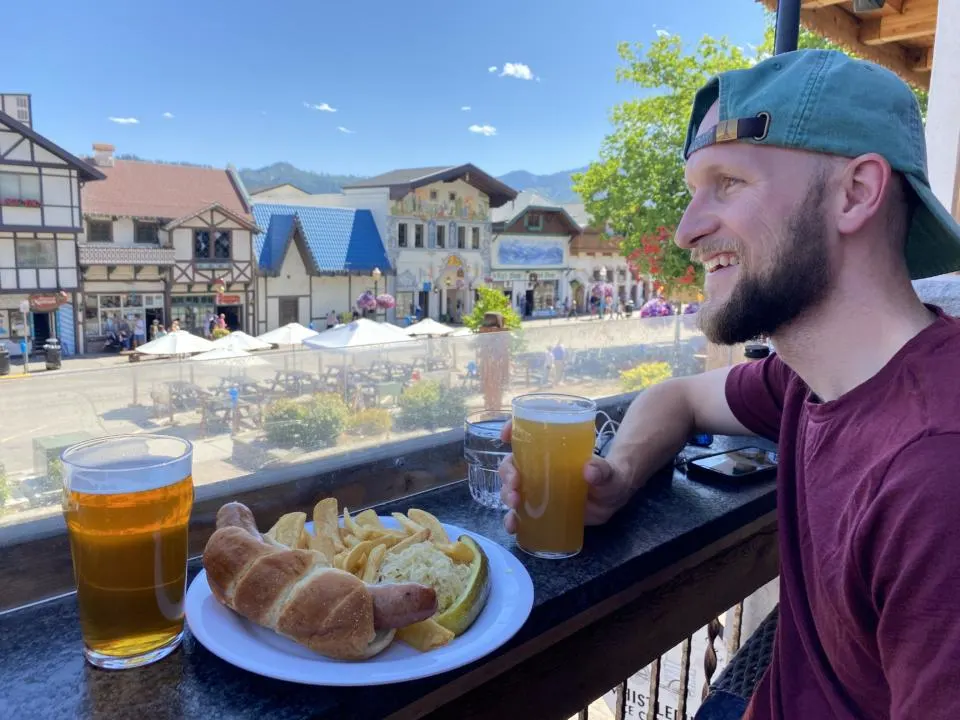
(314, 260)
(331, 240)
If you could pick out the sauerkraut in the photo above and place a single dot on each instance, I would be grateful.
(423, 563)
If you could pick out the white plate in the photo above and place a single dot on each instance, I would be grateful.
(257, 649)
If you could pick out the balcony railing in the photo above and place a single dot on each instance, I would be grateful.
(105, 254)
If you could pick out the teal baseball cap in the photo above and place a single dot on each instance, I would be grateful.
(827, 102)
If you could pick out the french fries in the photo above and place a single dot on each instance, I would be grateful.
(288, 529)
(361, 544)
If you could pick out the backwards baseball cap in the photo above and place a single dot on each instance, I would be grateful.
(825, 101)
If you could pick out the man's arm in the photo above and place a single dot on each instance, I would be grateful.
(664, 417)
(908, 547)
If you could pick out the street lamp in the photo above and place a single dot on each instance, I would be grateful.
(376, 280)
(603, 274)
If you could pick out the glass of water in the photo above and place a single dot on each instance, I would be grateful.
(484, 450)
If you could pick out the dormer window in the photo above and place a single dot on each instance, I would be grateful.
(533, 221)
(433, 194)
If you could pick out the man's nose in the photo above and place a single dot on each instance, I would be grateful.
(698, 221)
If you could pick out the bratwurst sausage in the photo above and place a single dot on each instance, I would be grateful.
(401, 604)
(235, 514)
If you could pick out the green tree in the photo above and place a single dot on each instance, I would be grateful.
(492, 300)
(637, 184)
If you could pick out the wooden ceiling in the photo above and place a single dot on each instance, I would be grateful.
(899, 36)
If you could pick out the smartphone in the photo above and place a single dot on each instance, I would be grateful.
(743, 465)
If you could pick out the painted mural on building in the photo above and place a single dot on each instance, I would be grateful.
(418, 203)
(530, 253)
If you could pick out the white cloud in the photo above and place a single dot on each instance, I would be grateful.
(492, 69)
(346, 131)
(466, 108)
(662, 33)
(168, 116)
(322, 107)
(517, 70)
(487, 130)
(124, 121)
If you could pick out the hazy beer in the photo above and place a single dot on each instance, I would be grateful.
(553, 438)
(127, 503)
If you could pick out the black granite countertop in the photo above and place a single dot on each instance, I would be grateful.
(43, 674)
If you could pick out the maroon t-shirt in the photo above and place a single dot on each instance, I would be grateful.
(868, 506)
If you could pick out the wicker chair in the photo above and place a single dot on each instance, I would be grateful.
(747, 666)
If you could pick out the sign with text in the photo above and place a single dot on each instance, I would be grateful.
(47, 303)
(508, 275)
(228, 299)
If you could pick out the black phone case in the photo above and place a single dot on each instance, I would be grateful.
(708, 475)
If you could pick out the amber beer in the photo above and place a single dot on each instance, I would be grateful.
(553, 438)
(127, 503)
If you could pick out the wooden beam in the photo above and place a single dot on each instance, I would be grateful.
(816, 4)
(925, 63)
(839, 26)
(918, 19)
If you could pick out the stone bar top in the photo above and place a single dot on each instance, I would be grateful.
(43, 674)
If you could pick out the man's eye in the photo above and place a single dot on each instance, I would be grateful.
(727, 182)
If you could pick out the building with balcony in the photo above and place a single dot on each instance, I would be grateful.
(40, 219)
(595, 256)
(435, 225)
(530, 254)
(162, 243)
(311, 260)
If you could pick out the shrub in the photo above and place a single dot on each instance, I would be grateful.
(311, 424)
(219, 332)
(429, 404)
(370, 422)
(644, 375)
(54, 477)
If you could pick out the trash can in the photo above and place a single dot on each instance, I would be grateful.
(52, 349)
(4, 359)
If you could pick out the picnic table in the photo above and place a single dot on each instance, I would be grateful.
(236, 413)
(295, 382)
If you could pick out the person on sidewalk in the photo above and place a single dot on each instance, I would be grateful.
(811, 213)
(139, 333)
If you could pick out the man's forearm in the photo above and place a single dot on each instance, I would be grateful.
(656, 426)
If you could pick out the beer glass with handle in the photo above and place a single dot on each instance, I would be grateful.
(127, 503)
(553, 438)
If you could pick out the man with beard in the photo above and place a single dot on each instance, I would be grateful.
(811, 212)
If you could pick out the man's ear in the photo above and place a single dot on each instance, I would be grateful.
(863, 188)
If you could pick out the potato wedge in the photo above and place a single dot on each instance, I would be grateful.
(425, 635)
(425, 519)
(371, 569)
(324, 546)
(288, 529)
(339, 559)
(369, 518)
(420, 536)
(351, 525)
(406, 523)
(351, 541)
(325, 521)
(304, 542)
(354, 561)
(458, 552)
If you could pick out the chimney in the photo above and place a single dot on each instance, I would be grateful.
(103, 154)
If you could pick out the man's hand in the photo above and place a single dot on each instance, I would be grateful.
(608, 489)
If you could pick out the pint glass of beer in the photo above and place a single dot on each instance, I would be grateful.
(127, 502)
(553, 438)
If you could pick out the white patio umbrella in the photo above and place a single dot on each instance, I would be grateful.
(428, 327)
(229, 356)
(239, 340)
(290, 334)
(179, 342)
(359, 333)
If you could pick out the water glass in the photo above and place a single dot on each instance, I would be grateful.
(484, 450)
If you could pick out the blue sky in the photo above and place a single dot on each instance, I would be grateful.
(237, 77)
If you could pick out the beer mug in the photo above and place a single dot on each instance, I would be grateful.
(127, 502)
(553, 438)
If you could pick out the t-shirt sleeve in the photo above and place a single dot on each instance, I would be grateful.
(755, 392)
(909, 556)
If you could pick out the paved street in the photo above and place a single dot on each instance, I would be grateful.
(109, 395)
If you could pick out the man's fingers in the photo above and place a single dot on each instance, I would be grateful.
(506, 432)
(508, 473)
(597, 471)
(510, 522)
